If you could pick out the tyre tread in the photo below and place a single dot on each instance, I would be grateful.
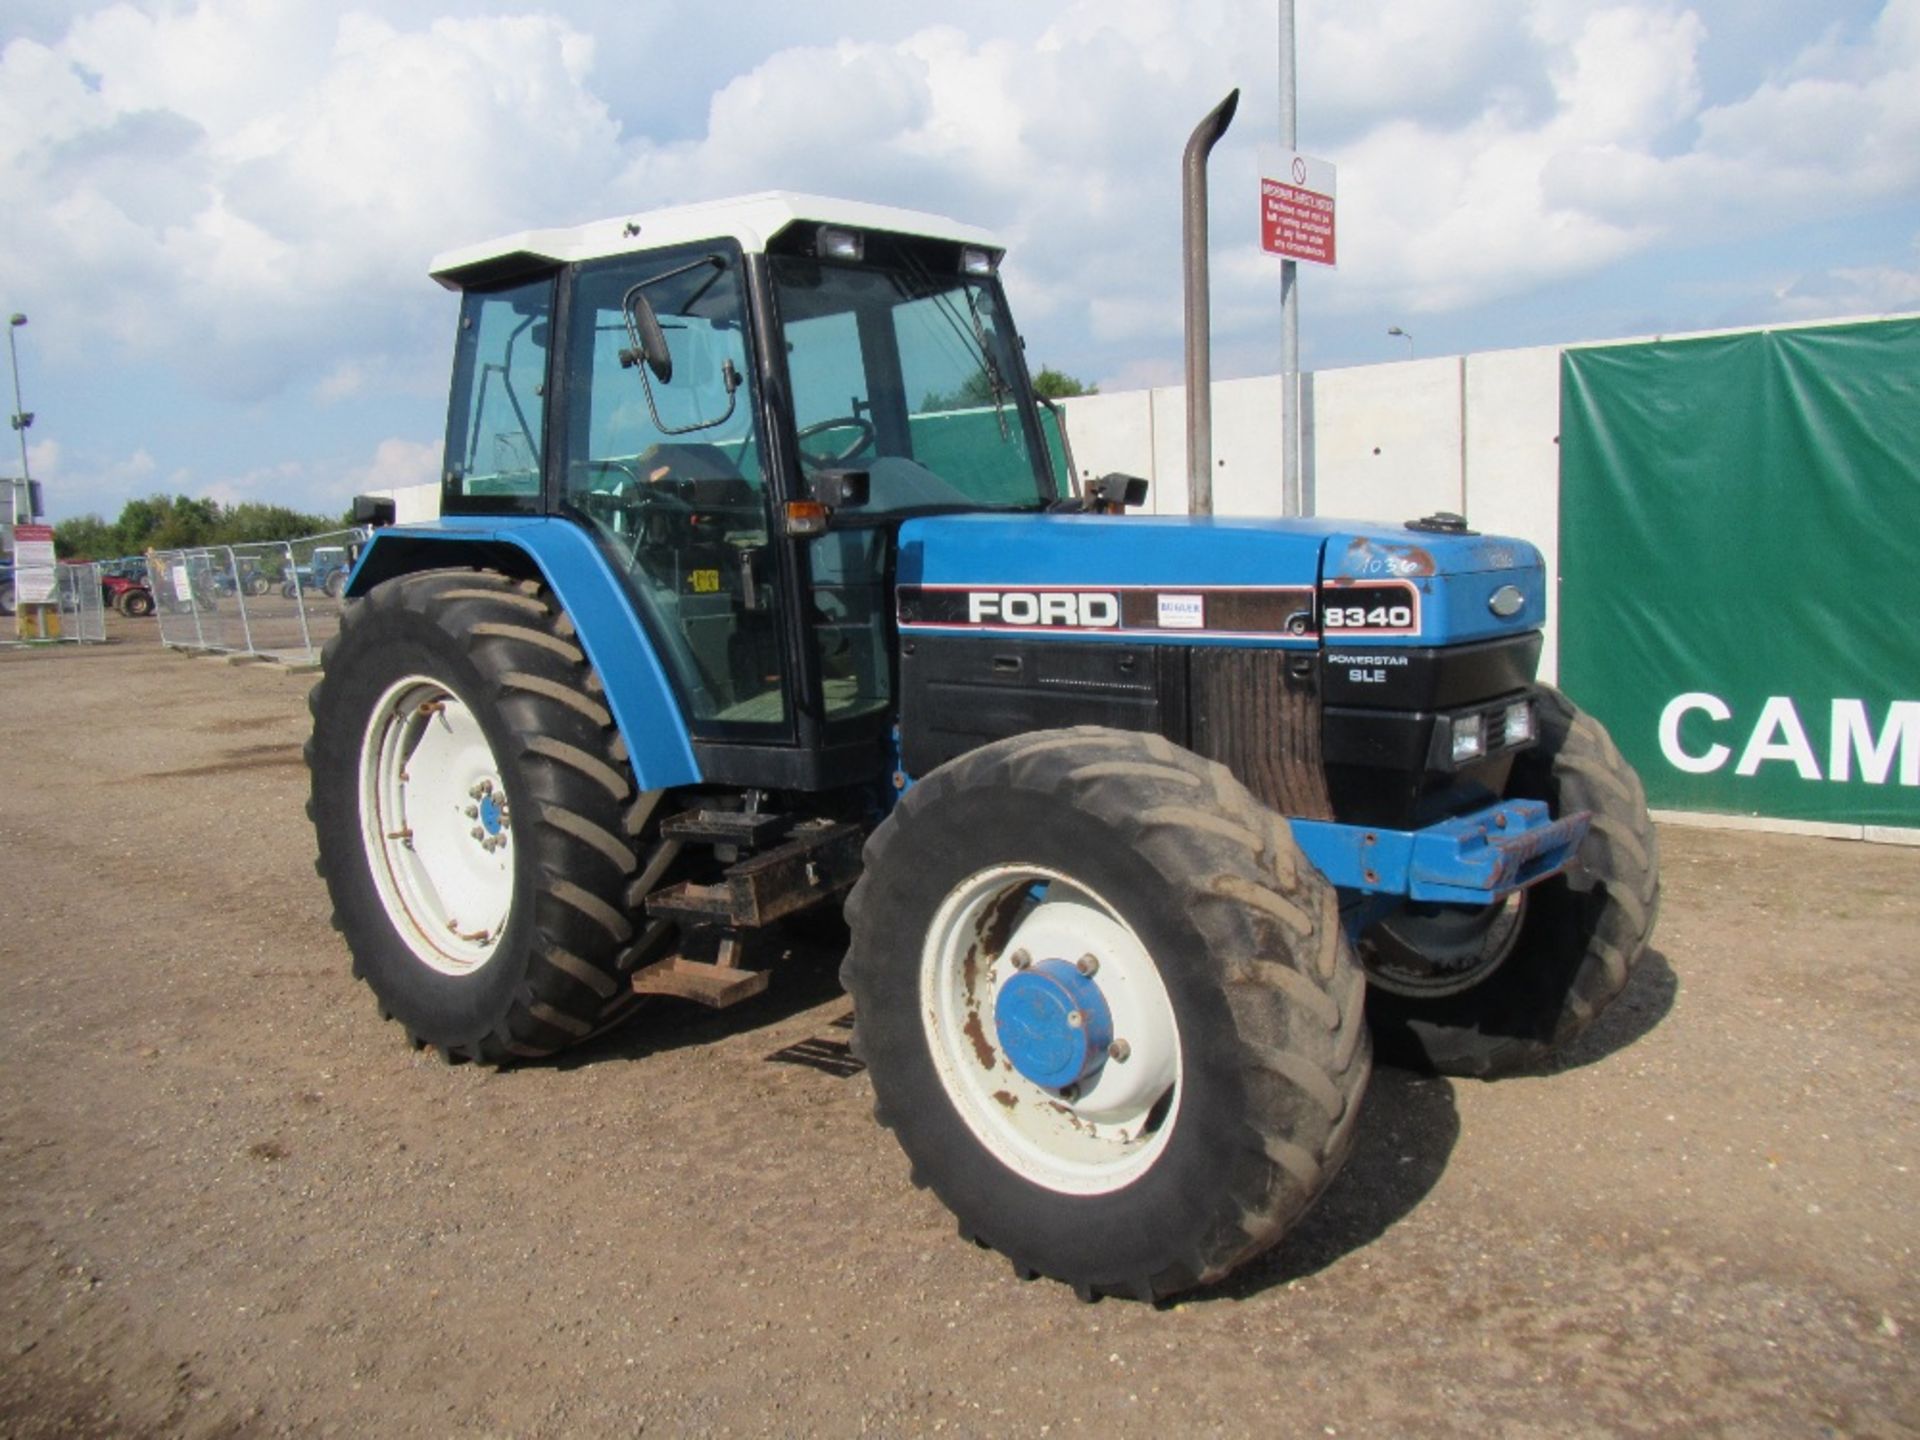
(585, 829)
(1296, 999)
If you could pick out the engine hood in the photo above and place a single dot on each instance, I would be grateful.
(1180, 580)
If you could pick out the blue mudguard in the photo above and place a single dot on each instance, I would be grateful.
(609, 630)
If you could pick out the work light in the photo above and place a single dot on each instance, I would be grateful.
(841, 244)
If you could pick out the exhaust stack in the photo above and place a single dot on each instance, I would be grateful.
(1193, 206)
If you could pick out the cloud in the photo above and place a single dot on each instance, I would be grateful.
(75, 485)
(397, 462)
(244, 194)
(247, 179)
(1852, 290)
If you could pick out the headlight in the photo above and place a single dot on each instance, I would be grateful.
(1469, 741)
(1516, 726)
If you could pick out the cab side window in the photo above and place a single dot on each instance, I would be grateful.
(499, 399)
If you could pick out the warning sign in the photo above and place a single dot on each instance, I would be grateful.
(34, 580)
(1296, 212)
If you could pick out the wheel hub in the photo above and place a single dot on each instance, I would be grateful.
(1053, 1023)
(436, 825)
(490, 810)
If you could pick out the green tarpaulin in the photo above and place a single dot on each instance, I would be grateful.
(1740, 567)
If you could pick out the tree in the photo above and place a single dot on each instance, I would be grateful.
(181, 522)
(85, 537)
(977, 392)
(1058, 385)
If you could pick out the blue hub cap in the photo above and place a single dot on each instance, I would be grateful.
(1053, 1024)
(490, 812)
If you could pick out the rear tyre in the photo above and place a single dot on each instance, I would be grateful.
(1551, 960)
(1147, 885)
(336, 584)
(477, 817)
(136, 603)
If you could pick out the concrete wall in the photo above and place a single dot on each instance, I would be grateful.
(413, 503)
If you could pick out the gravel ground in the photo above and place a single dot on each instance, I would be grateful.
(233, 1203)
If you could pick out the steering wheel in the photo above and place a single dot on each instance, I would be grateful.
(861, 441)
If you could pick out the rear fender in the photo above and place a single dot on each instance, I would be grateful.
(564, 557)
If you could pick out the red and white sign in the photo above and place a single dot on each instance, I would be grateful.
(1296, 213)
(34, 579)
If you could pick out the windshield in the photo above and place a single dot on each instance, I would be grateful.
(912, 377)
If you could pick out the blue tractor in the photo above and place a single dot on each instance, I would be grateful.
(763, 583)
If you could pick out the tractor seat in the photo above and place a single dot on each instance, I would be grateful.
(704, 475)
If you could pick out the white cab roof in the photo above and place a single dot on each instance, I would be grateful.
(752, 220)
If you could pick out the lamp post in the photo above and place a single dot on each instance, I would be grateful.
(22, 417)
(1396, 330)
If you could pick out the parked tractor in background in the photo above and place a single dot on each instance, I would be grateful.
(124, 586)
(762, 578)
(244, 576)
(325, 572)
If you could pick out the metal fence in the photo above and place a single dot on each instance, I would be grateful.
(277, 599)
(74, 613)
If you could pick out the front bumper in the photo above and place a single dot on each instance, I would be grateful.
(1473, 859)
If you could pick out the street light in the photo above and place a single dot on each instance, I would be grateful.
(22, 417)
(1396, 330)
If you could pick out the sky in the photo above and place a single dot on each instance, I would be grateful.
(218, 215)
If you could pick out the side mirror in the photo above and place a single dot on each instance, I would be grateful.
(373, 510)
(649, 340)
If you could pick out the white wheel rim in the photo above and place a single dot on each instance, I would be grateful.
(437, 825)
(1091, 1139)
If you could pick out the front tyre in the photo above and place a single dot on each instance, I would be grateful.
(1497, 991)
(1107, 1007)
(471, 800)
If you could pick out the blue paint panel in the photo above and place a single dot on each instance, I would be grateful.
(1472, 859)
(1108, 550)
(638, 691)
(1453, 577)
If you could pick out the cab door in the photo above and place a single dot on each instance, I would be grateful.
(665, 460)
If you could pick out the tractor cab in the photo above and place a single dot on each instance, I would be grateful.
(690, 386)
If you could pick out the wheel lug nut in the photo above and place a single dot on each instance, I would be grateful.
(1020, 960)
(1119, 1050)
(478, 833)
(1087, 964)
(473, 812)
(1075, 1019)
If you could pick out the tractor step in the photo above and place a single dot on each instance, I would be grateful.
(817, 863)
(715, 985)
(748, 830)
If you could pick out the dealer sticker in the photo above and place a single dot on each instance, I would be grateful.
(1183, 612)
